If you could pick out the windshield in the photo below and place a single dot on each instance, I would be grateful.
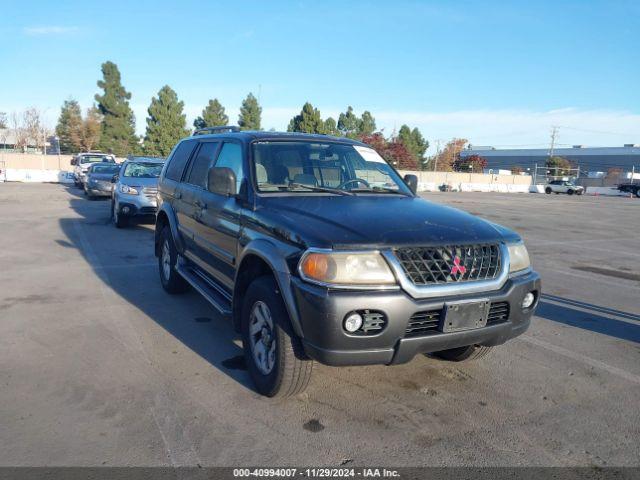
(95, 158)
(143, 170)
(298, 166)
(108, 168)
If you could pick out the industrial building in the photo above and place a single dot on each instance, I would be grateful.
(588, 159)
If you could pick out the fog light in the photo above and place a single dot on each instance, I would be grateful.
(125, 210)
(528, 300)
(352, 322)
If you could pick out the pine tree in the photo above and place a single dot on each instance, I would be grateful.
(348, 123)
(367, 124)
(118, 132)
(414, 142)
(213, 115)
(330, 127)
(308, 121)
(166, 124)
(250, 113)
(69, 127)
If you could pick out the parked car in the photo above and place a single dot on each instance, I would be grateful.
(563, 186)
(317, 249)
(98, 179)
(135, 189)
(633, 188)
(82, 161)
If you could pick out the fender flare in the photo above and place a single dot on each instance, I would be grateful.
(269, 253)
(173, 225)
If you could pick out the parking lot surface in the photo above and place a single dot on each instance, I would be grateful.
(99, 366)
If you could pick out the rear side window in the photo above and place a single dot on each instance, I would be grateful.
(202, 162)
(231, 157)
(179, 160)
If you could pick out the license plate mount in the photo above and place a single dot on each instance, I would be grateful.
(465, 315)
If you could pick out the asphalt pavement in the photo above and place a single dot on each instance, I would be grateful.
(99, 366)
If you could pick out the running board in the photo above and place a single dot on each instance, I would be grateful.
(211, 292)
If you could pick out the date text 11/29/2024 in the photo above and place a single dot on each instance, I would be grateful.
(316, 472)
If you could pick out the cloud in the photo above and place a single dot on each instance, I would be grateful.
(525, 128)
(49, 30)
(510, 128)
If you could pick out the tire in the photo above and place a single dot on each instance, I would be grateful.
(463, 354)
(547, 190)
(570, 192)
(171, 280)
(286, 370)
(638, 193)
(118, 220)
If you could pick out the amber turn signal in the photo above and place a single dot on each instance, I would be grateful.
(315, 265)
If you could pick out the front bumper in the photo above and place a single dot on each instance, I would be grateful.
(99, 190)
(321, 312)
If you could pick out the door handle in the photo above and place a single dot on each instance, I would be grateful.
(178, 195)
(201, 205)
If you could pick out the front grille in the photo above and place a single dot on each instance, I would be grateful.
(150, 192)
(449, 264)
(498, 313)
(423, 323)
(147, 210)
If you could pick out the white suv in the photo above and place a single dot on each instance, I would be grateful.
(563, 186)
(83, 161)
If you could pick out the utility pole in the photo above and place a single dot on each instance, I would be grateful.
(554, 133)
(435, 159)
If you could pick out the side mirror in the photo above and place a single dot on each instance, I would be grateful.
(74, 162)
(114, 179)
(412, 182)
(222, 180)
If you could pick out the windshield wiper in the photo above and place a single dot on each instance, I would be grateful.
(321, 189)
(381, 190)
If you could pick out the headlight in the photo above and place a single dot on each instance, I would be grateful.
(128, 190)
(334, 268)
(518, 257)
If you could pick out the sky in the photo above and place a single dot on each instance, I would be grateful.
(498, 73)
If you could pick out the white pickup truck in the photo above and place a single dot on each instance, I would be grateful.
(563, 186)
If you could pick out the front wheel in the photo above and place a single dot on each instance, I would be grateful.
(570, 192)
(120, 221)
(463, 354)
(273, 354)
(547, 190)
(171, 280)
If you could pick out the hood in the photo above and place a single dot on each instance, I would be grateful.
(376, 221)
(139, 181)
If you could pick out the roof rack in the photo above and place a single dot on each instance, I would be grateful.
(204, 131)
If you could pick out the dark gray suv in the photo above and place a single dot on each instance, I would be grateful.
(318, 250)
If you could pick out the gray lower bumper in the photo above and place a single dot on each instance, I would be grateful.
(322, 311)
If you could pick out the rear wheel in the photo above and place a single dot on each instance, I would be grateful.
(638, 192)
(570, 192)
(171, 280)
(274, 355)
(547, 190)
(463, 354)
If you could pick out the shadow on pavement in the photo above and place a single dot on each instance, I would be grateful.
(124, 261)
(590, 317)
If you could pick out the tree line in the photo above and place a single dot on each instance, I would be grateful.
(109, 124)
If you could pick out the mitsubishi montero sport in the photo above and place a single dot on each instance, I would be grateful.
(317, 249)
